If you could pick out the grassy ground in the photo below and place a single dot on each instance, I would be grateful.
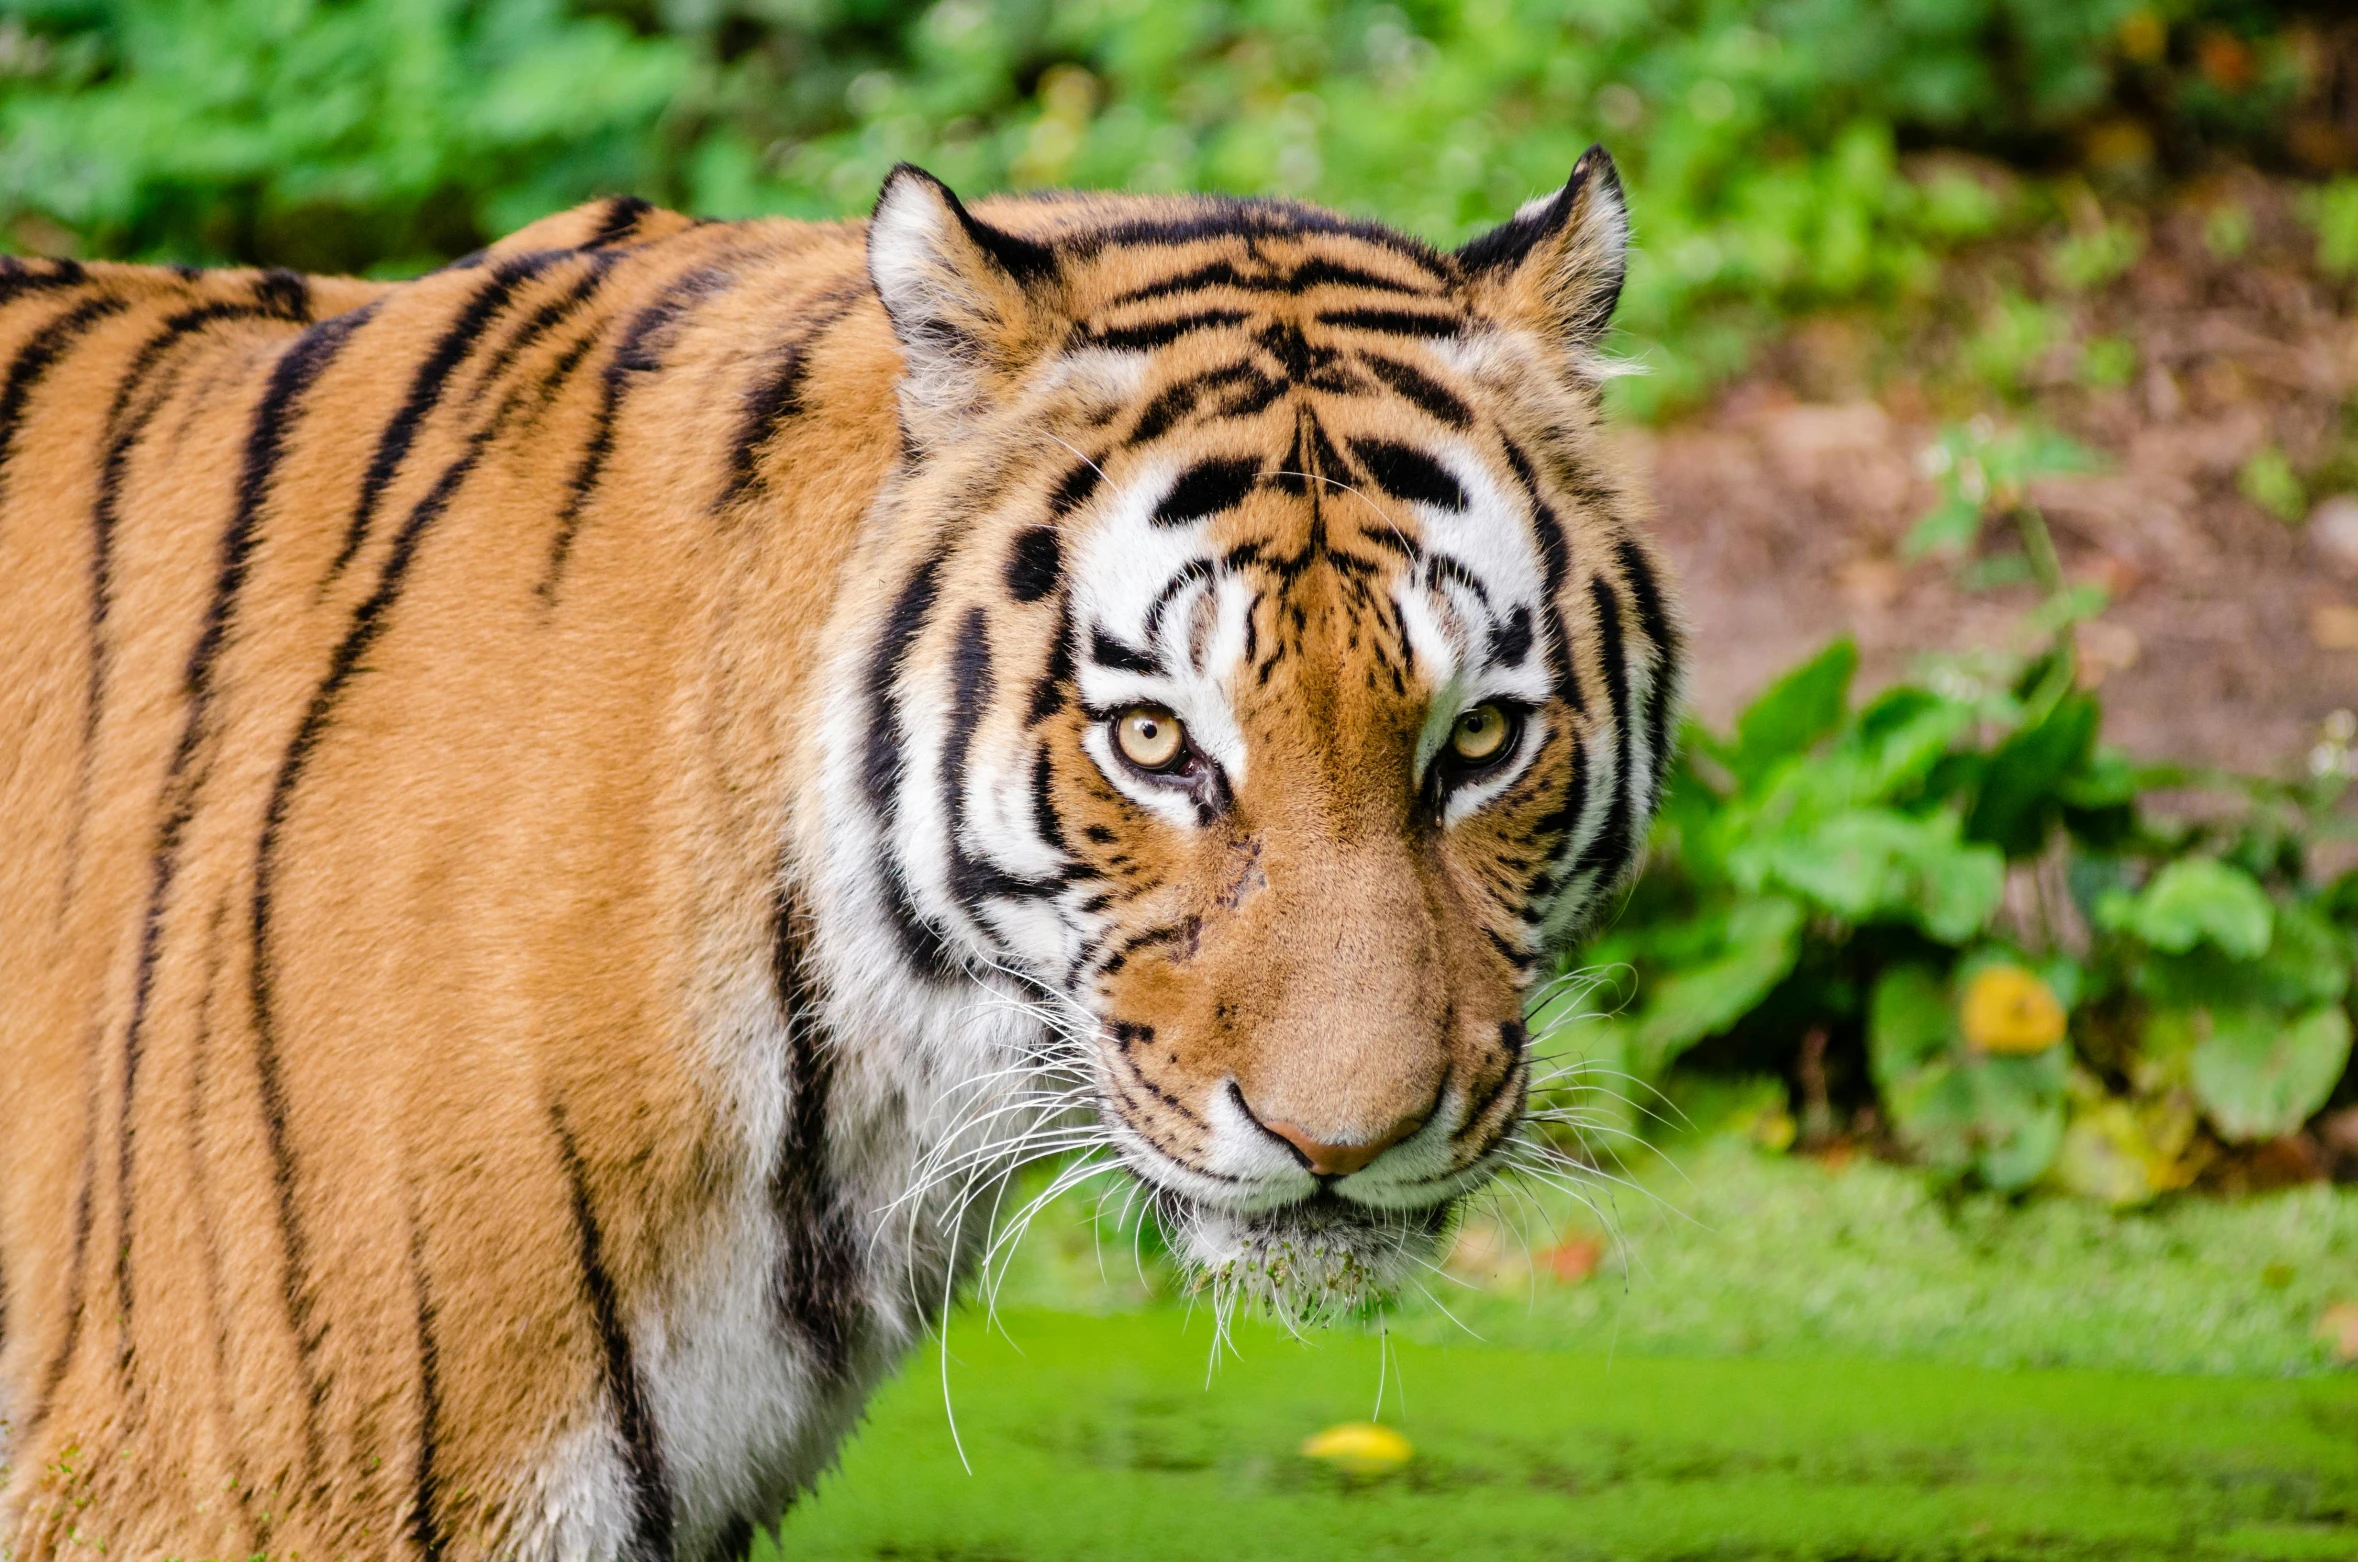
(1101, 1439)
(1772, 1360)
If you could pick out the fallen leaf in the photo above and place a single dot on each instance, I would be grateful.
(1836, 1154)
(1574, 1259)
(1360, 1448)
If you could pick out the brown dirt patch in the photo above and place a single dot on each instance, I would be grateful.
(2233, 634)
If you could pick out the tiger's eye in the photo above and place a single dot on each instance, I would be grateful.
(1479, 734)
(1149, 737)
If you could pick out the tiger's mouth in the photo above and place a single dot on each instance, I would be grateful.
(1315, 1261)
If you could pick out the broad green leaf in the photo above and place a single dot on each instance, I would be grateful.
(2021, 1145)
(1900, 738)
(1909, 1023)
(1935, 1113)
(1794, 712)
(1875, 864)
(2001, 1118)
(2261, 1074)
(2194, 900)
(1683, 1007)
(2019, 802)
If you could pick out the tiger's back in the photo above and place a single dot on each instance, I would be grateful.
(304, 584)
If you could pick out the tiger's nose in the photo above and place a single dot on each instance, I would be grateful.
(1335, 1160)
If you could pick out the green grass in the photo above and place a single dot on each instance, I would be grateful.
(1775, 1361)
(1733, 1252)
(1722, 1250)
(1099, 1437)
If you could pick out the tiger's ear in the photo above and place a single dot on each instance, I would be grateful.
(971, 303)
(1556, 266)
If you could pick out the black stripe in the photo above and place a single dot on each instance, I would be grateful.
(1048, 693)
(18, 277)
(969, 880)
(265, 442)
(1447, 566)
(42, 352)
(1321, 271)
(1220, 217)
(818, 1278)
(124, 431)
(619, 220)
(1074, 489)
(1177, 400)
(1477, 1110)
(1160, 333)
(632, 355)
(541, 321)
(1207, 488)
(1518, 958)
(1035, 564)
(1510, 639)
(1318, 271)
(1614, 845)
(777, 399)
(425, 1510)
(1392, 322)
(882, 762)
(1654, 623)
(1106, 651)
(284, 294)
(972, 879)
(1180, 579)
(1436, 399)
(1555, 556)
(652, 1515)
(179, 802)
(450, 349)
(367, 624)
(1045, 818)
(1405, 472)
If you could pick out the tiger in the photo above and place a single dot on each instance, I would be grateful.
(570, 821)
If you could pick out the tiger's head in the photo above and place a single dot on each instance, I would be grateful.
(1265, 678)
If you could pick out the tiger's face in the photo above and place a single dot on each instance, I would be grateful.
(1270, 680)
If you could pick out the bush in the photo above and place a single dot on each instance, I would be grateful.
(1957, 893)
(1763, 142)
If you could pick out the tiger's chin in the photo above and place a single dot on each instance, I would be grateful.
(1319, 1261)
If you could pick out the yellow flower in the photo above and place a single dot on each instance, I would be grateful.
(2009, 1010)
(1360, 1448)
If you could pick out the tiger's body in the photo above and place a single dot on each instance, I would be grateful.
(556, 824)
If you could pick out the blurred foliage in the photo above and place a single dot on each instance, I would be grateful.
(1764, 142)
(1992, 947)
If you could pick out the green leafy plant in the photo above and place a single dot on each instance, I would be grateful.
(1762, 144)
(1955, 885)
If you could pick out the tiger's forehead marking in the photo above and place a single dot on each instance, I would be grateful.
(1194, 602)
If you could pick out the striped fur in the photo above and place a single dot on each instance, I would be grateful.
(562, 827)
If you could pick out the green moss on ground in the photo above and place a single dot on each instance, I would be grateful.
(1773, 1361)
(1099, 1437)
